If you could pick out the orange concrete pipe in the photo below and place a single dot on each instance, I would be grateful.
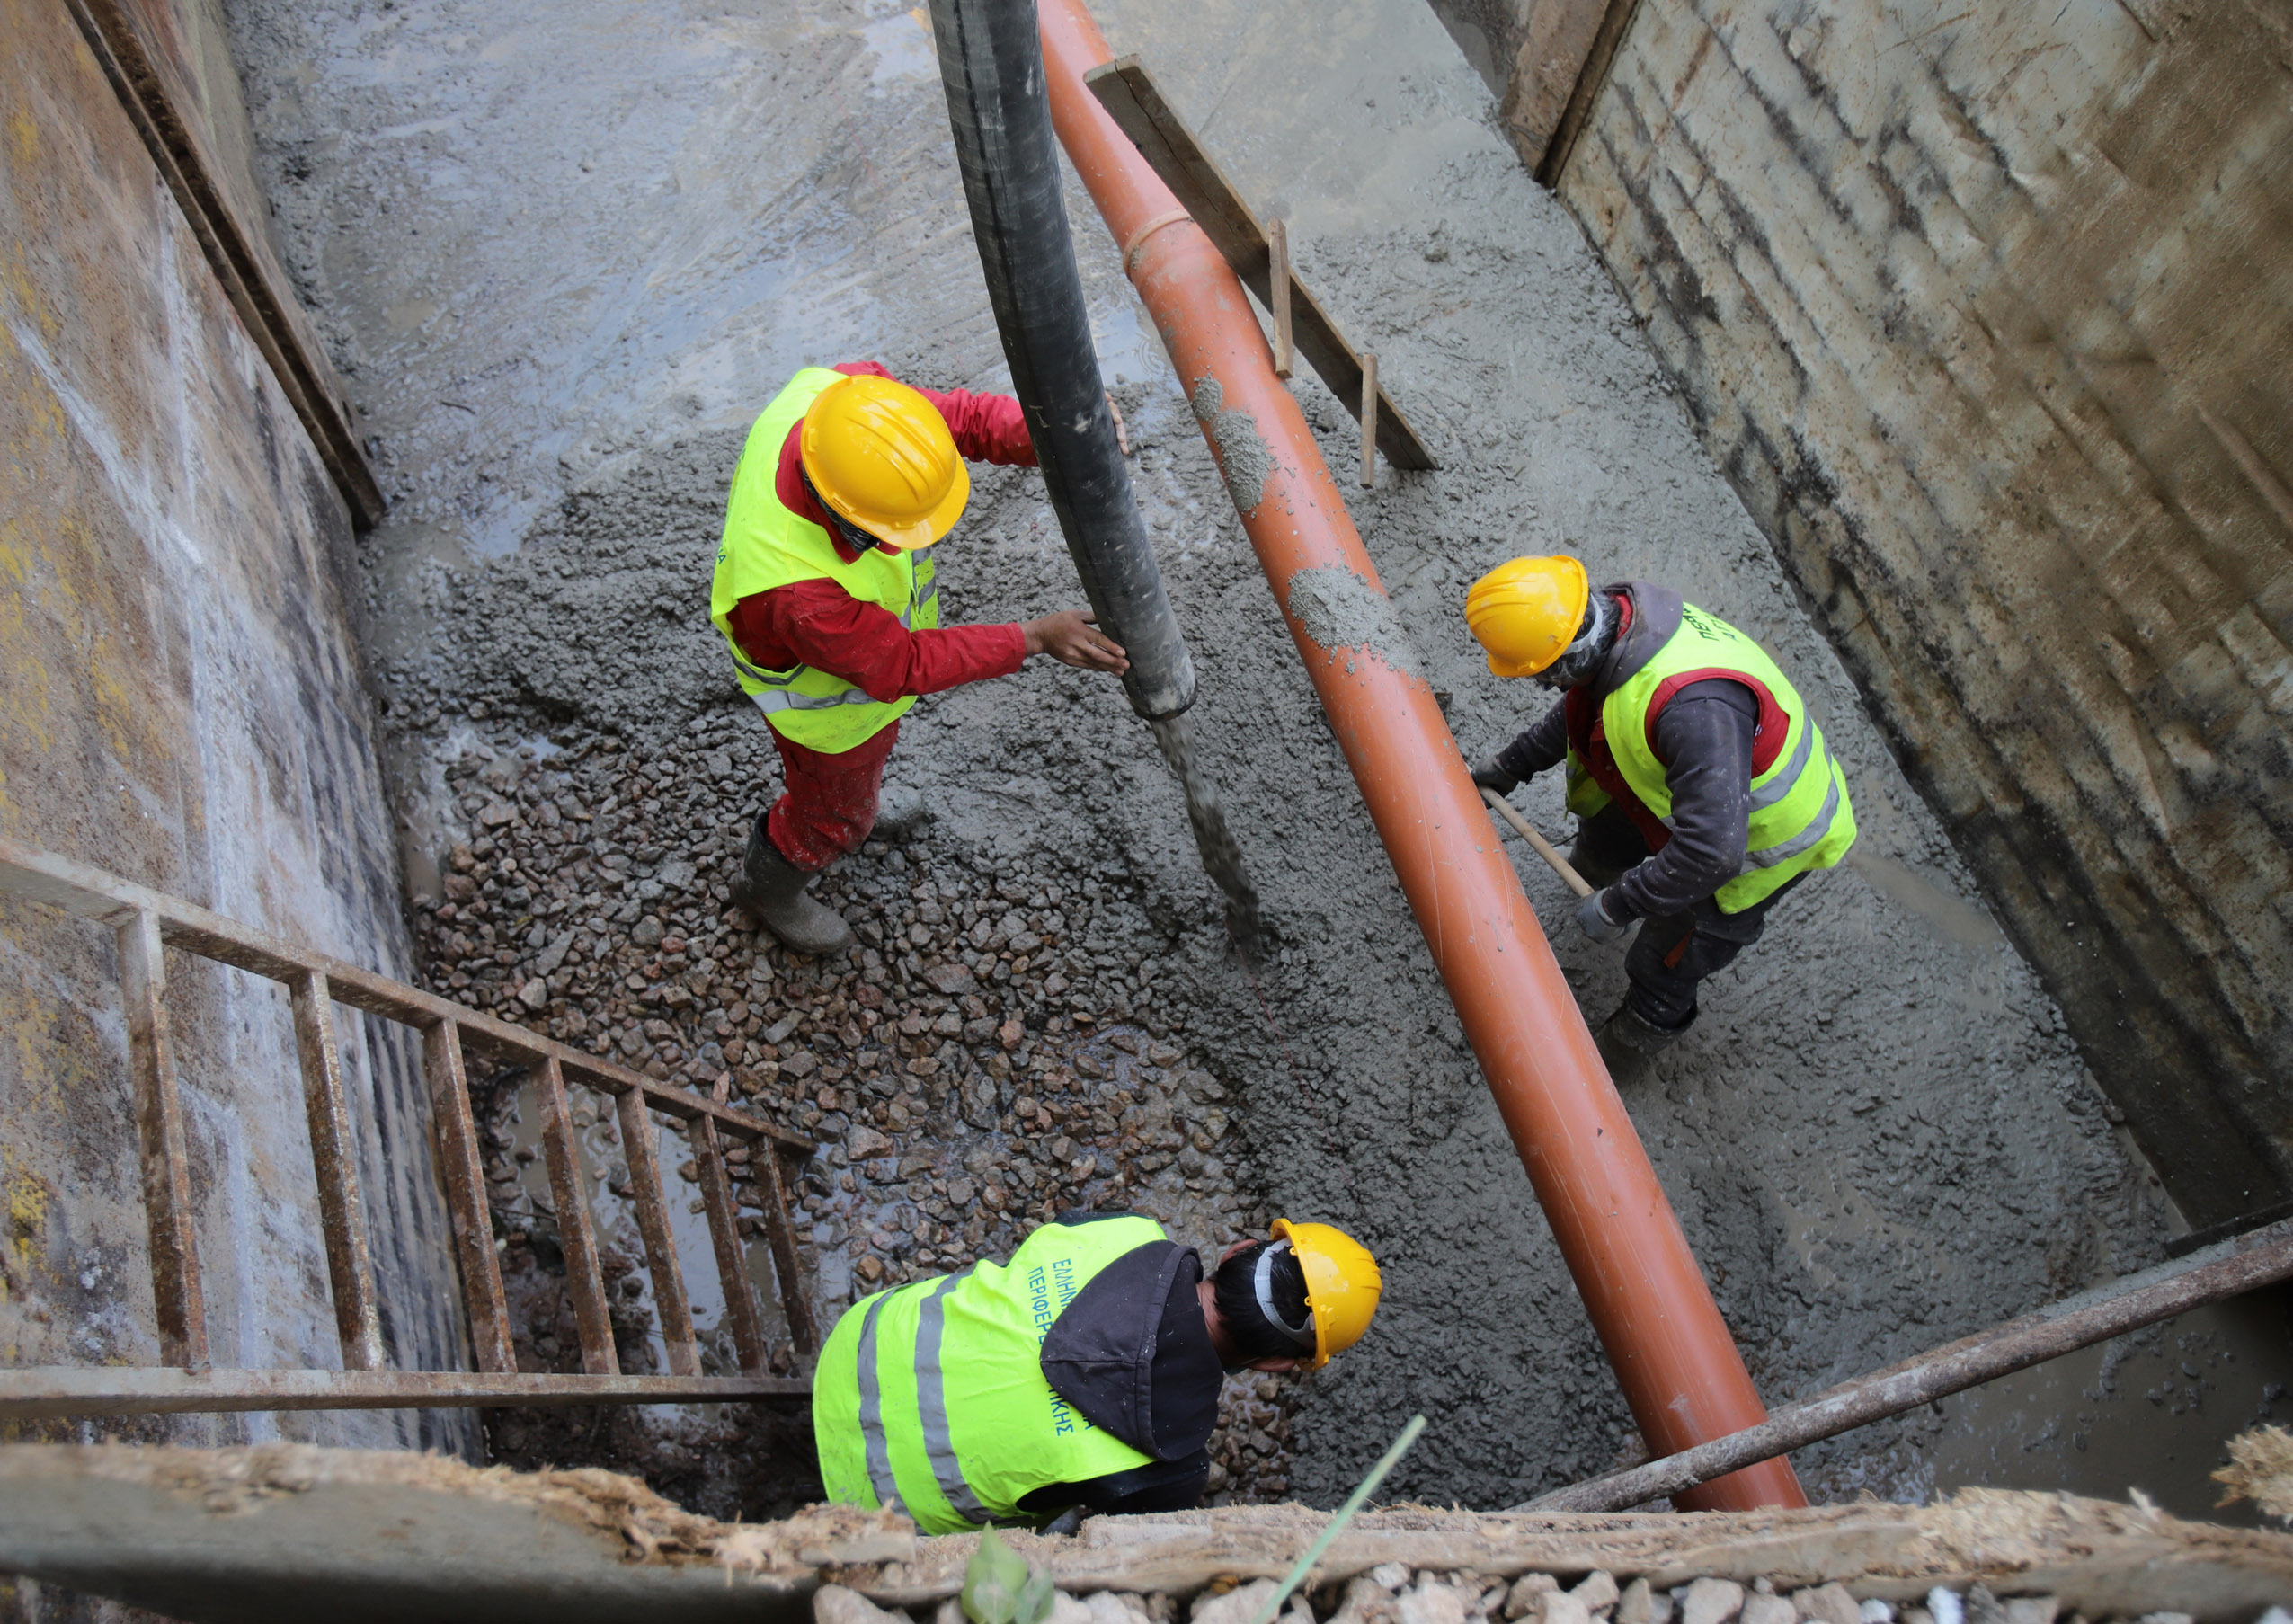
(1672, 1354)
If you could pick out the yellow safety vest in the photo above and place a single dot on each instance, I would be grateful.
(1802, 818)
(933, 1395)
(767, 545)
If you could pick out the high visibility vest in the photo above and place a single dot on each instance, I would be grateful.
(933, 1395)
(1802, 818)
(767, 545)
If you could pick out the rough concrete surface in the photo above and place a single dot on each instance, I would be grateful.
(182, 702)
(567, 252)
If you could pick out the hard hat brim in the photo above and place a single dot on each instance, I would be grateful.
(1348, 1292)
(1321, 1335)
(924, 531)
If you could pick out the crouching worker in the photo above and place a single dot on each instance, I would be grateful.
(1084, 1373)
(828, 601)
(1701, 786)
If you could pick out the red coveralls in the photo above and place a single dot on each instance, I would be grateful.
(829, 804)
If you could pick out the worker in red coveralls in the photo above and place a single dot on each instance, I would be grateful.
(827, 595)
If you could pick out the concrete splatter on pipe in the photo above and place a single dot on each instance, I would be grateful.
(1672, 1354)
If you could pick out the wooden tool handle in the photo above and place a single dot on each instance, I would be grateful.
(1569, 876)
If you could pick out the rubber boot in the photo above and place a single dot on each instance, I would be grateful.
(772, 890)
(1628, 1042)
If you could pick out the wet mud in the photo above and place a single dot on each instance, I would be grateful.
(568, 251)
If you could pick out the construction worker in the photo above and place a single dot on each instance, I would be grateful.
(1083, 1373)
(1702, 788)
(828, 598)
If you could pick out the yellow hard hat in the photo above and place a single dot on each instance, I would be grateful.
(1342, 1284)
(881, 456)
(1526, 611)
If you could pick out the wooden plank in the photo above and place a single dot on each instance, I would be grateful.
(165, 1156)
(780, 1233)
(1369, 420)
(740, 1305)
(161, 96)
(42, 1392)
(2102, 1559)
(1278, 274)
(1615, 21)
(576, 1234)
(463, 1171)
(669, 1299)
(1128, 93)
(349, 1264)
(1556, 41)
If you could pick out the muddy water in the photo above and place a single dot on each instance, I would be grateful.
(567, 251)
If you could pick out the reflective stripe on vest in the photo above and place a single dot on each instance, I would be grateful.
(931, 1404)
(891, 1427)
(879, 1449)
(766, 544)
(1801, 815)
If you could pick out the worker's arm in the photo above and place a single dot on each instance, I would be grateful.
(1704, 736)
(819, 624)
(1543, 745)
(987, 428)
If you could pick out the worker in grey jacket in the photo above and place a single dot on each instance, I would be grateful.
(1702, 788)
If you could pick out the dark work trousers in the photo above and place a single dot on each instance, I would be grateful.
(1672, 951)
(829, 803)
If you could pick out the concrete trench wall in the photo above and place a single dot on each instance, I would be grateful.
(1985, 316)
(185, 704)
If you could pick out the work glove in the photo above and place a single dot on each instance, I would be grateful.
(1489, 775)
(1593, 916)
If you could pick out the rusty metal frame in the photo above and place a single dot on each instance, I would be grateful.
(146, 922)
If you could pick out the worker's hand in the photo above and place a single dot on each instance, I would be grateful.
(1070, 637)
(1489, 775)
(1593, 915)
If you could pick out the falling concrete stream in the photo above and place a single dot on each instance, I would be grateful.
(1222, 853)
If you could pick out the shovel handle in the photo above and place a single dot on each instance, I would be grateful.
(1569, 876)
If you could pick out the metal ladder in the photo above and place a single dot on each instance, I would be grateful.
(145, 923)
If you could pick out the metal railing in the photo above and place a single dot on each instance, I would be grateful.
(145, 923)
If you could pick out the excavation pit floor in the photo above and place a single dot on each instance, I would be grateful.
(564, 254)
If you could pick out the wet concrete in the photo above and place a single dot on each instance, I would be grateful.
(567, 254)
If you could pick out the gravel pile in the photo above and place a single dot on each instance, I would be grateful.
(996, 1053)
(1392, 1594)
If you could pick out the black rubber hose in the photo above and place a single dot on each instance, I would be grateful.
(990, 60)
